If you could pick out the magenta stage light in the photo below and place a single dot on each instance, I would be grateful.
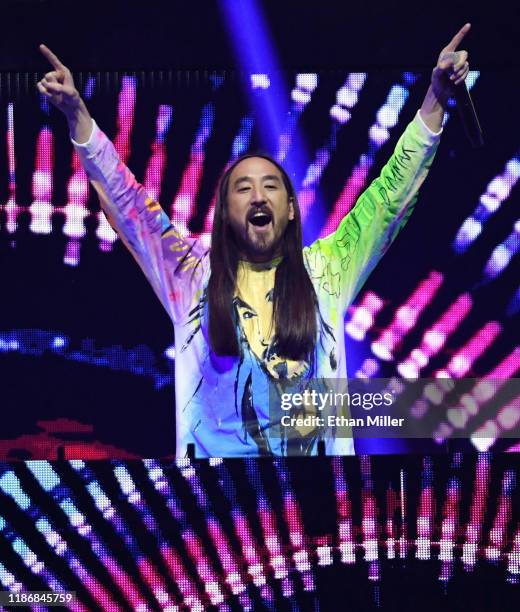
(436, 337)
(157, 161)
(362, 315)
(482, 392)
(184, 203)
(406, 316)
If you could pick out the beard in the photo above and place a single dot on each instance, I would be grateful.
(259, 243)
(253, 245)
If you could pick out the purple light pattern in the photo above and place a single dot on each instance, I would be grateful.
(192, 578)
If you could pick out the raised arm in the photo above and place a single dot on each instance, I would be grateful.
(340, 263)
(174, 266)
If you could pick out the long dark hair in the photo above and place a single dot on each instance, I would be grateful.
(294, 298)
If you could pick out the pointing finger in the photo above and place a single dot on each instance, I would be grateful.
(456, 40)
(53, 59)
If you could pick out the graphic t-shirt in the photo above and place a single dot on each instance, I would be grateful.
(223, 403)
(253, 305)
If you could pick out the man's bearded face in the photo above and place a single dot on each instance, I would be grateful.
(259, 208)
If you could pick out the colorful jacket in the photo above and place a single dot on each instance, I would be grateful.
(224, 405)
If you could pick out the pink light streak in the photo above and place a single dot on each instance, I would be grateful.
(125, 117)
(449, 528)
(435, 337)
(362, 316)
(190, 593)
(406, 316)
(368, 369)
(235, 575)
(513, 559)
(41, 208)
(198, 553)
(194, 546)
(344, 512)
(425, 515)
(75, 211)
(478, 508)
(125, 125)
(507, 418)
(403, 539)
(278, 561)
(157, 160)
(183, 206)
(103, 503)
(256, 567)
(156, 583)
(294, 520)
(392, 504)
(349, 195)
(170, 556)
(483, 391)
(498, 533)
(463, 360)
(458, 366)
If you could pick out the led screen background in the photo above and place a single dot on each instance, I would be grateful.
(86, 351)
(265, 534)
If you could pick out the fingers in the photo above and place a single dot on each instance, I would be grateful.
(462, 59)
(461, 75)
(51, 58)
(448, 60)
(460, 68)
(55, 76)
(456, 40)
(43, 91)
(455, 63)
(50, 88)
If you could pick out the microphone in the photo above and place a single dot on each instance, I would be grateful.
(466, 108)
(468, 115)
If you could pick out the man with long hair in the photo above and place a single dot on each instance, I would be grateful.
(258, 311)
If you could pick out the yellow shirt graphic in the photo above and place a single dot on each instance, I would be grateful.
(254, 306)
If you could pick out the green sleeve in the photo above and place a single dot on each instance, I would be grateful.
(340, 263)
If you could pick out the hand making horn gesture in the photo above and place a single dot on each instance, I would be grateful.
(58, 85)
(452, 66)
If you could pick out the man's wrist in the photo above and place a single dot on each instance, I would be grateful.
(80, 123)
(432, 110)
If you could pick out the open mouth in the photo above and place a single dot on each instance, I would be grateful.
(260, 218)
